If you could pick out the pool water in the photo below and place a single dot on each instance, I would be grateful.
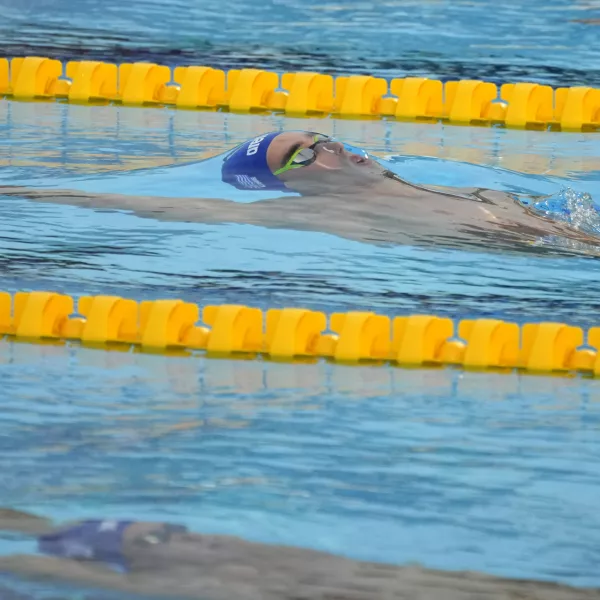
(77, 250)
(502, 468)
(553, 41)
(455, 470)
(494, 473)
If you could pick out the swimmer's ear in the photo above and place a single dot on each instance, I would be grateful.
(16, 520)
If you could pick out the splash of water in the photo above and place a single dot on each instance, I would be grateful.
(576, 209)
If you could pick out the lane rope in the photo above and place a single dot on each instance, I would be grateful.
(466, 102)
(297, 334)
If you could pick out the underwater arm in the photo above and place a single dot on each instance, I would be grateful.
(204, 210)
(61, 569)
(278, 213)
(225, 567)
(24, 522)
(370, 220)
(295, 579)
(168, 583)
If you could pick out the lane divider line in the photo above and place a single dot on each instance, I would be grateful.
(292, 334)
(466, 102)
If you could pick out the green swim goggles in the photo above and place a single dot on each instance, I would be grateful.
(304, 156)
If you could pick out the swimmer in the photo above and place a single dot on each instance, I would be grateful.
(344, 192)
(162, 560)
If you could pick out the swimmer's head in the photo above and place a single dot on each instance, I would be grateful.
(246, 167)
(299, 161)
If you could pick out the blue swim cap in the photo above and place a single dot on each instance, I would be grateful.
(89, 540)
(246, 166)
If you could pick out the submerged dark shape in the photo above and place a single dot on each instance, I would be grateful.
(162, 560)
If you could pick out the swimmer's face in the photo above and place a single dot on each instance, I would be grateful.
(334, 170)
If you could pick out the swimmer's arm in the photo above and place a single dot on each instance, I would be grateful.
(205, 210)
(353, 221)
(326, 215)
(280, 212)
(168, 583)
(24, 522)
(72, 571)
(60, 569)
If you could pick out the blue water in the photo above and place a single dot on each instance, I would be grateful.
(546, 41)
(495, 473)
(77, 250)
(453, 470)
(501, 468)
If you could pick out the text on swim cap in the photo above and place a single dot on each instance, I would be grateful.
(250, 183)
(254, 144)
